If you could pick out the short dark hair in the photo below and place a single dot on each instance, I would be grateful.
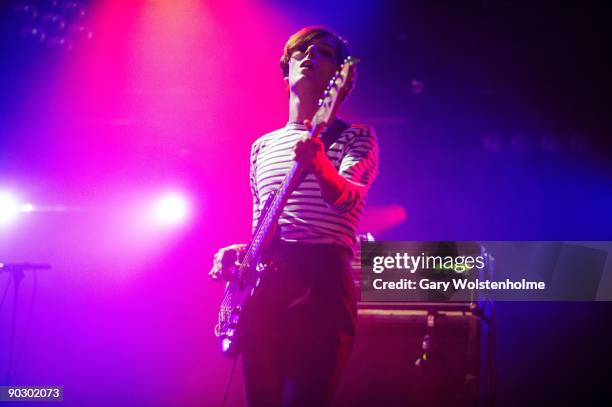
(304, 37)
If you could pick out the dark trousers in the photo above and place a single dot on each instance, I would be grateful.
(298, 329)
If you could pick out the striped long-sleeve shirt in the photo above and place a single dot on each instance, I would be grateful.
(307, 217)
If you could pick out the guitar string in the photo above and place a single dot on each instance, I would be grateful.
(264, 225)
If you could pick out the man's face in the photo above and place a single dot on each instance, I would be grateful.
(312, 66)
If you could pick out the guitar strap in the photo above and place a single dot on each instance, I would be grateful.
(330, 135)
(333, 132)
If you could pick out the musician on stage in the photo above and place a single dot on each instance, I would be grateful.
(298, 330)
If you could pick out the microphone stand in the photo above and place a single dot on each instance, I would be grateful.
(17, 272)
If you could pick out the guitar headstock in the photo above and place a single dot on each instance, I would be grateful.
(328, 104)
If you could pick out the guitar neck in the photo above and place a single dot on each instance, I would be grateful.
(269, 218)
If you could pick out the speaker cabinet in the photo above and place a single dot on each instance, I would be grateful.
(418, 355)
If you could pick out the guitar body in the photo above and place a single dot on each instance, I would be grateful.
(238, 293)
(240, 287)
(245, 276)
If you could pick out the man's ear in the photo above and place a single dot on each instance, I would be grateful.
(286, 80)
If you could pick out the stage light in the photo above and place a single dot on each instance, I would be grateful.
(27, 207)
(492, 143)
(171, 209)
(417, 87)
(57, 23)
(8, 207)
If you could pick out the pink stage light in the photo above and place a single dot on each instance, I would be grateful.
(27, 207)
(171, 209)
(9, 207)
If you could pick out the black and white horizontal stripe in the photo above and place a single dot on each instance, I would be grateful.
(307, 217)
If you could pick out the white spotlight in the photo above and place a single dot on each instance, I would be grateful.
(171, 209)
(27, 207)
(8, 207)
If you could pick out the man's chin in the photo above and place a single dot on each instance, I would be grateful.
(309, 83)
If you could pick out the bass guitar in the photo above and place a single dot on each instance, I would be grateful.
(244, 276)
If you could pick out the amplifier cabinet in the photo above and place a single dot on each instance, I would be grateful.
(419, 354)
